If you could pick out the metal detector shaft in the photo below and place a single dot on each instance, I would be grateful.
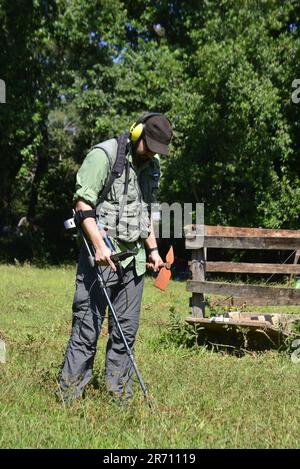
(101, 282)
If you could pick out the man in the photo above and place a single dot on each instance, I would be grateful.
(124, 212)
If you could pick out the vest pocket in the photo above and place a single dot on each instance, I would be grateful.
(134, 224)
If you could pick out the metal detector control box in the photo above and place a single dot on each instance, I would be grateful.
(70, 224)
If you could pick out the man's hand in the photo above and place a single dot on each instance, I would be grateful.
(102, 257)
(155, 261)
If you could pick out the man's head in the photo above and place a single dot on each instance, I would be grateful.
(155, 130)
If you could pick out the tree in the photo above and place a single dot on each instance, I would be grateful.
(240, 152)
(79, 72)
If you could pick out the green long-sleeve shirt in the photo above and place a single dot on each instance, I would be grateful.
(90, 181)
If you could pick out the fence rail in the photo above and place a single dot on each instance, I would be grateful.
(247, 268)
(199, 238)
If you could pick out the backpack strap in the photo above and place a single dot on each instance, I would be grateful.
(119, 217)
(117, 169)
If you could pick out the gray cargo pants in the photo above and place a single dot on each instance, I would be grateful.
(88, 313)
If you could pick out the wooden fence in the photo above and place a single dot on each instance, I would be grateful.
(200, 238)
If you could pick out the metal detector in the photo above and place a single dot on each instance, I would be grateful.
(116, 258)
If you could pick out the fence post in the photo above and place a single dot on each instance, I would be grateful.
(296, 260)
(197, 302)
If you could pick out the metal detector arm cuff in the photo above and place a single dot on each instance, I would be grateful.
(81, 215)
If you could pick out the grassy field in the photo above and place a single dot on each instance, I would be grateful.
(202, 399)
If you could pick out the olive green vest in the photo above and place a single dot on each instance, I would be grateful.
(142, 191)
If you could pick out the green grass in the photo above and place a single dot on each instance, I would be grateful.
(202, 399)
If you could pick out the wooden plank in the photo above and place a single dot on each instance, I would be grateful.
(252, 268)
(250, 325)
(235, 231)
(252, 242)
(243, 243)
(257, 294)
(227, 321)
(241, 302)
(240, 238)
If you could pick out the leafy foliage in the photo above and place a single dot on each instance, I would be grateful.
(178, 333)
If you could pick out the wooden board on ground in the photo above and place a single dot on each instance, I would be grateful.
(263, 330)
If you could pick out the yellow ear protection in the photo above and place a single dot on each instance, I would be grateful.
(137, 129)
